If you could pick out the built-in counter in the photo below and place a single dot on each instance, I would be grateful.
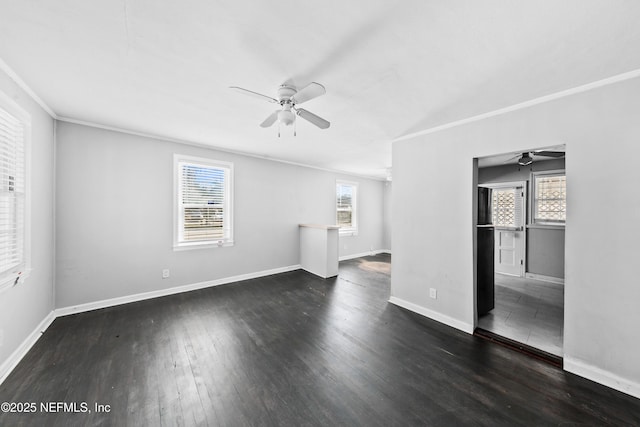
(319, 249)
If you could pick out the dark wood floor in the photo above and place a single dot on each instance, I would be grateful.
(294, 350)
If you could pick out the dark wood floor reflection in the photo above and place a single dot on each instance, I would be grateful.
(292, 350)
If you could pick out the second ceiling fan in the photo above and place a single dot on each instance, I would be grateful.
(526, 158)
(288, 98)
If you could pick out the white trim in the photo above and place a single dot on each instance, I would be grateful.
(509, 184)
(65, 311)
(54, 234)
(370, 253)
(9, 365)
(202, 245)
(17, 111)
(532, 199)
(522, 105)
(228, 207)
(434, 315)
(211, 147)
(545, 227)
(22, 85)
(593, 373)
(557, 95)
(543, 278)
(353, 230)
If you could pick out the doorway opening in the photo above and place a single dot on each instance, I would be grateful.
(520, 248)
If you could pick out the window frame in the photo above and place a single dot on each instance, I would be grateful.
(19, 273)
(353, 229)
(178, 242)
(533, 199)
(523, 185)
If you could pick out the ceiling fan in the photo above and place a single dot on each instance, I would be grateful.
(288, 98)
(526, 158)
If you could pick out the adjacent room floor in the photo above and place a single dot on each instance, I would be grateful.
(527, 311)
(293, 349)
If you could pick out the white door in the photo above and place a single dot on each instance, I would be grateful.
(507, 206)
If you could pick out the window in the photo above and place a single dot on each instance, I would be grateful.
(507, 204)
(504, 207)
(14, 130)
(549, 198)
(346, 200)
(204, 203)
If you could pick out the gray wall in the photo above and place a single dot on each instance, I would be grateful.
(386, 241)
(545, 246)
(545, 251)
(115, 216)
(433, 234)
(25, 306)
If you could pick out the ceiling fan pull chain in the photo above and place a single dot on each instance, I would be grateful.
(278, 129)
(295, 128)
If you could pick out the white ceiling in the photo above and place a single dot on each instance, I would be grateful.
(390, 67)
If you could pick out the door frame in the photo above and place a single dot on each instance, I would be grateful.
(525, 214)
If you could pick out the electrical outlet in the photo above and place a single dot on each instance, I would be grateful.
(433, 293)
(165, 273)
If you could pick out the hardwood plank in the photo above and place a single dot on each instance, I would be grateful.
(293, 349)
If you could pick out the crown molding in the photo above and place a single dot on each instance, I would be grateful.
(210, 147)
(522, 105)
(25, 87)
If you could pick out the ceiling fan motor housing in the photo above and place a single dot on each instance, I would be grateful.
(285, 93)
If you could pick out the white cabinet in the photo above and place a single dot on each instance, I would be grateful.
(319, 249)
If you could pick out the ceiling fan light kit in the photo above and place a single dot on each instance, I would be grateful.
(288, 98)
(286, 117)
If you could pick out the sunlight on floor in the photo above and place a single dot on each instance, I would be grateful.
(377, 266)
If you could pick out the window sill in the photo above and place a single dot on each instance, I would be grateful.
(546, 226)
(348, 233)
(201, 245)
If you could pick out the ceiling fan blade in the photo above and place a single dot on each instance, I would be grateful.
(512, 158)
(270, 120)
(312, 118)
(549, 153)
(254, 94)
(310, 91)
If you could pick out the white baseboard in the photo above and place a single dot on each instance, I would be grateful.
(590, 372)
(439, 317)
(370, 253)
(65, 311)
(15, 358)
(541, 277)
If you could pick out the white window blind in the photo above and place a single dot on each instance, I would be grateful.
(204, 202)
(346, 198)
(12, 197)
